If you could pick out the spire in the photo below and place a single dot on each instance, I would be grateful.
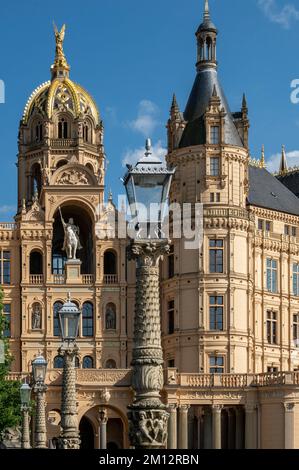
(206, 15)
(174, 110)
(174, 104)
(263, 160)
(244, 103)
(283, 162)
(60, 68)
(206, 41)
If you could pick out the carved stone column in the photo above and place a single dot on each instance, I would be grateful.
(216, 426)
(25, 440)
(172, 427)
(40, 432)
(183, 426)
(103, 420)
(147, 415)
(69, 437)
(289, 425)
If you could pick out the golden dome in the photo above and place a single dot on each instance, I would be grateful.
(60, 94)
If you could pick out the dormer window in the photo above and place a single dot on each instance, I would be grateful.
(215, 135)
(214, 166)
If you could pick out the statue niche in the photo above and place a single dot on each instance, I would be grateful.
(36, 317)
(110, 317)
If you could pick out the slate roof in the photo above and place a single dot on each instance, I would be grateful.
(194, 133)
(291, 181)
(266, 191)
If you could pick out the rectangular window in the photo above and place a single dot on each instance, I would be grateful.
(214, 166)
(5, 267)
(272, 275)
(272, 370)
(212, 197)
(170, 311)
(296, 329)
(260, 224)
(171, 263)
(216, 364)
(217, 197)
(216, 256)
(215, 135)
(296, 279)
(272, 327)
(216, 313)
(7, 320)
(294, 231)
(286, 230)
(268, 226)
(171, 363)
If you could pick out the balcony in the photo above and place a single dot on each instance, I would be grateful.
(58, 143)
(36, 279)
(8, 226)
(110, 279)
(59, 279)
(87, 279)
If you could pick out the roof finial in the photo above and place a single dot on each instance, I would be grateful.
(148, 147)
(69, 297)
(206, 15)
(263, 160)
(283, 162)
(110, 197)
(60, 63)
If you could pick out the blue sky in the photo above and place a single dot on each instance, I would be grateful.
(132, 55)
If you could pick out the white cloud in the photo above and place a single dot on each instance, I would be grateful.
(274, 161)
(282, 16)
(7, 209)
(146, 120)
(132, 156)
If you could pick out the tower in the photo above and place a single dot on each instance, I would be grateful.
(207, 285)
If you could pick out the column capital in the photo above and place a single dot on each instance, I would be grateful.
(217, 408)
(184, 408)
(172, 407)
(289, 407)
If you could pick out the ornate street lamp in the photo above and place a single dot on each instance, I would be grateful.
(25, 394)
(148, 183)
(39, 370)
(69, 316)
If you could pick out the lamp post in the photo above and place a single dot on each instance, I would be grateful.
(69, 316)
(25, 393)
(39, 370)
(148, 182)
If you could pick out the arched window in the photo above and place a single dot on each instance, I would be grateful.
(110, 263)
(36, 179)
(110, 364)
(58, 362)
(61, 163)
(63, 130)
(110, 317)
(87, 319)
(86, 132)
(36, 262)
(77, 362)
(56, 328)
(90, 167)
(38, 132)
(88, 362)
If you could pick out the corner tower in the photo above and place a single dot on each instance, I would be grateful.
(206, 287)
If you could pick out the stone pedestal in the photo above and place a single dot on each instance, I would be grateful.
(73, 272)
(147, 415)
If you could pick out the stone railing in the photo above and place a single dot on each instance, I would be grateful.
(87, 279)
(8, 226)
(36, 279)
(58, 278)
(231, 381)
(110, 279)
(62, 143)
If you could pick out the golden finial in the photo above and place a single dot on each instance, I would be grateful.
(60, 62)
(263, 160)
